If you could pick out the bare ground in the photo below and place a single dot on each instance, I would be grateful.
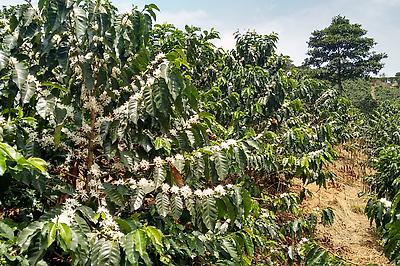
(351, 236)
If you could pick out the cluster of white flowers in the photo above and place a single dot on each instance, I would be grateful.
(5, 26)
(146, 185)
(108, 226)
(104, 98)
(95, 170)
(67, 212)
(92, 104)
(47, 140)
(75, 137)
(158, 162)
(115, 72)
(94, 185)
(2, 120)
(386, 203)
(224, 227)
(227, 144)
(122, 111)
(32, 79)
(192, 120)
(220, 190)
(144, 165)
(186, 192)
(56, 39)
(283, 195)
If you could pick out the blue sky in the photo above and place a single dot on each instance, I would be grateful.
(293, 20)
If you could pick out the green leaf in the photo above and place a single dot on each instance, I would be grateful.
(137, 200)
(45, 106)
(3, 60)
(163, 143)
(229, 246)
(51, 235)
(27, 91)
(9, 151)
(148, 100)
(133, 110)
(221, 164)
(66, 236)
(162, 204)
(159, 175)
(79, 17)
(6, 231)
(176, 206)
(26, 235)
(209, 212)
(129, 248)
(140, 240)
(20, 74)
(38, 163)
(3, 165)
(105, 253)
(155, 236)
(175, 82)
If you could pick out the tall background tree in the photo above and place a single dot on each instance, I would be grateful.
(342, 51)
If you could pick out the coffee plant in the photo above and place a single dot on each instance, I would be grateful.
(128, 143)
(383, 139)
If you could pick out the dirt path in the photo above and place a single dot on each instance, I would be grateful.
(351, 235)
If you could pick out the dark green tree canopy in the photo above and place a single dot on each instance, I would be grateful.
(342, 51)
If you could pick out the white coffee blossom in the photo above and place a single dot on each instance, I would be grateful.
(283, 195)
(115, 72)
(146, 185)
(136, 167)
(92, 105)
(144, 165)
(231, 142)
(2, 119)
(67, 212)
(107, 224)
(119, 182)
(165, 188)
(179, 157)
(186, 191)
(386, 202)
(224, 226)
(194, 119)
(173, 132)
(157, 73)
(56, 38)
(229, 186)
(303, 241)
(198, 193)
(224, 145)
(150, 81)
(220, 190)
(215, 148)
(174, 189)
(208, 192)
(95, 170)
(137, 96)
(169, 160)
(158, 162)
(132, 183)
